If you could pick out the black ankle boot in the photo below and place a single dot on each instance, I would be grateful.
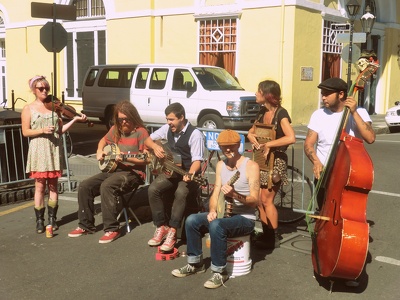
(269, 238)
(52, 212)
(39, 219)
(276, 237)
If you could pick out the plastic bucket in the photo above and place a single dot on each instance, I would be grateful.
(238, 261)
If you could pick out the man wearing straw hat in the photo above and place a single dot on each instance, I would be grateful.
(244, 193)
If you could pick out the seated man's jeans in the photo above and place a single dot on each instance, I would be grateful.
(108, 186)
(158, 188)
(220, 230)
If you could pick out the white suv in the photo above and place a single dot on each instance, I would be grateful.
(212, 98)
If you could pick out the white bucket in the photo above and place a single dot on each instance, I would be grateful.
(238, 261)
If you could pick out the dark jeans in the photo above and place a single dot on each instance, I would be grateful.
(108, 186)
(159, 187)
(220, 230)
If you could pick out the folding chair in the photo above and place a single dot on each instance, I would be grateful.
(126, 208)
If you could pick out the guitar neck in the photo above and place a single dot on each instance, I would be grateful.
(175, 168)
(113, 156)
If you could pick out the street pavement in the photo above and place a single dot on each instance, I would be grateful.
(35, 267)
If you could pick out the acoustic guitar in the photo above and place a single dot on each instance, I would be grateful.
(168, 167)
(109, 165)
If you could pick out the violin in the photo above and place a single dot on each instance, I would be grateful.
(341, 232)
(63, 110)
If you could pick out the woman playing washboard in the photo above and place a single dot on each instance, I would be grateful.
(268, 96)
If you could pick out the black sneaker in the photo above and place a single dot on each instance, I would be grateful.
(188, 270)
(216, 280)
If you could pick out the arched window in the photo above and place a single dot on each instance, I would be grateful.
(89, 8)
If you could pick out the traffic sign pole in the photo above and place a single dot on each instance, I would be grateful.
(54, 52)
(51, 11)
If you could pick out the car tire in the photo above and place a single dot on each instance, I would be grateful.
(211, 121)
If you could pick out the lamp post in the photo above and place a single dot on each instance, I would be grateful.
(352, 8)
(367, 20)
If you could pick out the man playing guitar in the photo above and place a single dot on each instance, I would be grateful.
(128, 134)
(187, 142)
(245, 194)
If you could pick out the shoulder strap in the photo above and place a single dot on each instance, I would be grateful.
(276, 116)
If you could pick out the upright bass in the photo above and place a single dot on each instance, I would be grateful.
(341, 233)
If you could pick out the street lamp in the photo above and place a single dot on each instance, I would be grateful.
(367, 20)
(352, 8)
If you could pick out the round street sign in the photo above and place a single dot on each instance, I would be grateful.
(60, 37)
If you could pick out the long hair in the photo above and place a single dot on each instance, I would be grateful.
(271, 91)
(129, 110)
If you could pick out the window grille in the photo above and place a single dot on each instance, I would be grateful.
(217, 35)
(329, 43)
(89, 8)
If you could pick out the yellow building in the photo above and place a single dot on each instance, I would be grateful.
(289, 41)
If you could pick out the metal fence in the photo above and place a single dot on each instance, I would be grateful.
(14, 150)
(301, 188)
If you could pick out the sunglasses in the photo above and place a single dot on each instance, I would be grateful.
(120, 120)
(43, 88)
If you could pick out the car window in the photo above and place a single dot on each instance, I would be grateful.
(216, 79)
(91, 77)
(118, 77)
(181, 78)
(141, 78)
(158, 79)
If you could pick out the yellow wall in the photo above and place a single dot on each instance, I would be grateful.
(306, 53)
(273, 43)
(166, 45)
(26, 59)
(390, 68)
(277, 50)
(137, 40)
(259, 48)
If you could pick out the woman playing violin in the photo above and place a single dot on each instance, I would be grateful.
(45, 160)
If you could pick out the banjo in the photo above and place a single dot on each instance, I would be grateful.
(225, 204)
(108, 164)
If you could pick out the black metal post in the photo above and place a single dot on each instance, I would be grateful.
(54, 52)
(350, 59)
